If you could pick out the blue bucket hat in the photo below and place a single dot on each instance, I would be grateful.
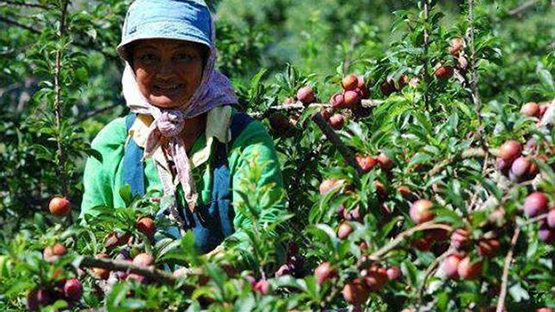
(188, 20)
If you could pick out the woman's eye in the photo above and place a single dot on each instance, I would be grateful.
(185, 58)
(147, 57)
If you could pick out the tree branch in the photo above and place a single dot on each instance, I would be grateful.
(18, 24)
(403, 235)
(125, 266)
(335, 140)
(95, 112)
(506, 267)
(525, 6)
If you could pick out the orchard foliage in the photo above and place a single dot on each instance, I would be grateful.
(416, 141)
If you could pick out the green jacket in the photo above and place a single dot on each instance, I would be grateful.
(103, 179)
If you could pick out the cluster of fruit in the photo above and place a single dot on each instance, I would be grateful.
(57, 288)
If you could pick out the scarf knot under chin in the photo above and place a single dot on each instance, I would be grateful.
(170, 123)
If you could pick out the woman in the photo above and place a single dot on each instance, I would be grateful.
(183, 135)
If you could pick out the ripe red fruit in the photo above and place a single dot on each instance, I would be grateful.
(387, 88)
(449, 266)
(393, 273)
(349, 82)
(375, 277)
(522, 169)
(535, 204)
(143, 259)
(462, 62)
(551, 218)
(544, 310)
(101, 273)
(73, 289)
(530, 109)
(329, 184)
(356, 291)
(469, 270)
(351, 98)
(283, 270)
(324, 272)
(421, 211)
(146, 226)
(423, 243)
(44, 297)
(444, 72)
(337, 121)
(366, 162)
(460, 238)
(405, 191)
(353, 215)
(279, 123)
(52, 253)
(262, 286)
(456, 45)
(306, 95)
(337, 101)
(32, 300)
(380, 189)
(59, 206)
(545, 234)
(114, 239)
(345, 229)
(361, 88)
(542, 110)
(510, 151)
(488, 247)
(385, 162)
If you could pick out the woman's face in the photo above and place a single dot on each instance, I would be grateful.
(168, 71)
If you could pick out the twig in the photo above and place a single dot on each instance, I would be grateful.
(470, 153)
(425, 59)
(525, 6)
(429, 272)
(335, 140)
(95, 112)
(506, 266)
(301, 106)
(18, 24)
(375, 256)
(60, 168)
(125, 266)
(474, 76)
